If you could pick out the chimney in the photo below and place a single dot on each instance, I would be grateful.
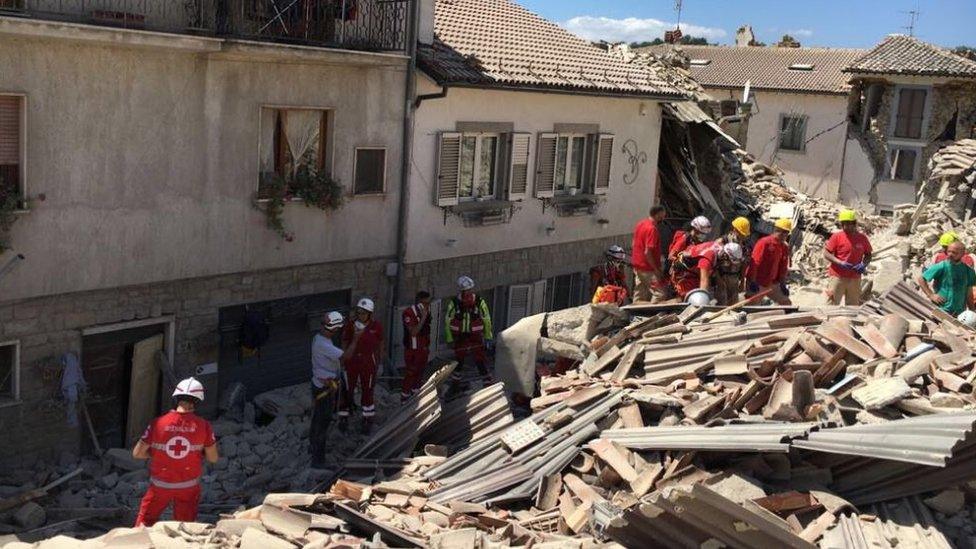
(744, 36)
(425, 34)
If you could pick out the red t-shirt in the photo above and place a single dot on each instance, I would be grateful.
(368, 343)
(176, 442)
(770, 260)
(706, 253)
(942, 256)
(849, 248)
(646, 238)
(411, 318)
(680, 241)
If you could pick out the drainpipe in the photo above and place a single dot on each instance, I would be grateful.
(405, 161)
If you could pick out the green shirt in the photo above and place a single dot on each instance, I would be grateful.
(954, 281)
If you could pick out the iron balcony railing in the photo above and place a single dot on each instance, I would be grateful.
(374, 25)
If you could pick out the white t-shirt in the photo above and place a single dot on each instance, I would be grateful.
(325, 360)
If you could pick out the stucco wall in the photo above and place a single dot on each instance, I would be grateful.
(815, 171)
(427, 230)
(859, 176)
(148, 160)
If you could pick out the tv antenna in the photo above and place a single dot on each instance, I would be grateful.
(677, 8)
(912, 19)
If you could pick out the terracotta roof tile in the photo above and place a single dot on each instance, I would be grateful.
(900, 54)
(769, 67)
(497, 43)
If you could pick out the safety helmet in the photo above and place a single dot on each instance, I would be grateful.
(948, 238)
(784, 224)
(366, 304)
(465, 283)
(616, 253)
(189, 387)
(742, 226)
(701, 224)
(968, 318)
(847, 215)
(698, 297)
(733, 250)
(332, 320)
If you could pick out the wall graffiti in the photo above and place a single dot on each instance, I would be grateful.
(635, 157)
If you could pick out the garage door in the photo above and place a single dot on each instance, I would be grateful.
(285, 359)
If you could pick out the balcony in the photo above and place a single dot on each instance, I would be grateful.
(370, 25)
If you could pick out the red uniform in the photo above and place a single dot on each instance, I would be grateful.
(694, 258)
(176, 441)
(849, 248)
(645, 254)
(680, 241)
(607, 274)
(416, 349)
(361, 367)
(770, 261)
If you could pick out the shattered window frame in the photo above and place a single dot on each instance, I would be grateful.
(472, 190)
(895, 157)
(792, 136)
(9, 372)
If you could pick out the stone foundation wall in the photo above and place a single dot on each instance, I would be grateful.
(34, 427)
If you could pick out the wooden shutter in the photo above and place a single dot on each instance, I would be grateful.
(519, 301)
(448, 169)
(10, 129)
(545, 162)
(539, 297)
(518, 166)
(604, 157)
(910, 113)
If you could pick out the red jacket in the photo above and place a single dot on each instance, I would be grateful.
(770, 261)
(411, 318)
(176, 441)
(368, 343)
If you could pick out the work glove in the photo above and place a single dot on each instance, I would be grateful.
(846, 265)
(860, 268)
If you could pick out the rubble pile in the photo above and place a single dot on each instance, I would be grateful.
(677, 427)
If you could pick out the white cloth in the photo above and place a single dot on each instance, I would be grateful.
(72, 385)
(325, 360)
(302, 132)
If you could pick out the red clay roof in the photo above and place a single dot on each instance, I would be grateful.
(769, 67)
(497, 43)
(900, 54)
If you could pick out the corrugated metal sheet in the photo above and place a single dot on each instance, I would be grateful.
(897, 524)
(750, 437)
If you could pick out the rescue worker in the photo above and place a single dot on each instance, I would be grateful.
(848, 251)
(945, 240)
(467, 326)
(955, 281)
(683, 281)
(770, 263)
(645, 258)
(176, 444)
(611, 271)
(362, 341)
(326, 373)
(416, 344)
(700, 261)
(730, 273)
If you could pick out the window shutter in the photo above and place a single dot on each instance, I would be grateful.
(448, 169)
(545, 162)
(9, 130)
(604, 157)
(519, 301)
(539, 297)
(518, 165)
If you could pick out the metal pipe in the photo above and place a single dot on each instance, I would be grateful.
(439, 95)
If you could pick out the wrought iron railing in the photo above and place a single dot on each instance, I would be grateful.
(376, 25)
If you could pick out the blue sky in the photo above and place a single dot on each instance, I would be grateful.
(837, 23)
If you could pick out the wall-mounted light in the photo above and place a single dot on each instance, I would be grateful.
(642, 109)
(450, 242)
(603, 222)
(551, 229)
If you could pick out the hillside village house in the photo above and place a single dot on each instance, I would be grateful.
(798, 106)
(143, 141)
(533, 151)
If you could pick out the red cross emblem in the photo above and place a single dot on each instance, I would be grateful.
(177, 447)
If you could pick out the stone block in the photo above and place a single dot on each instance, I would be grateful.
(948, 502)
(30, 516)
(121, 458)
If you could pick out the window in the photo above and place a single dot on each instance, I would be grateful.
(568, 164)
(729, 107)
(903, 163)
(9, 371)
(699, 62)
(294, 138)
(479, 166)
(564, 291)
(12, 146)
(570, 152)
(370, 177)
(792, 132)
(801, 67)
(910, 113)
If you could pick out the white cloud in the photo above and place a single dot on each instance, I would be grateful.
(633, 29)
(800, 33)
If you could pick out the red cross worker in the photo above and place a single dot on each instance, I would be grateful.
(176, 444)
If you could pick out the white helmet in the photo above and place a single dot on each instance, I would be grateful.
(733, 250)
(698, 297)
(366, 304)
(189, 387)
(332, 320)
(968, 318)
(616, 253)
(701, 224)
(465, 283)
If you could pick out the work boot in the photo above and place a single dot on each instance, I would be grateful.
(367, 426)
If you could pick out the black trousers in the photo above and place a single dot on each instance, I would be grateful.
(323, 408)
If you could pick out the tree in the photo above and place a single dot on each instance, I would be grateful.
(788, 41)
(968, 52)
(687, 40)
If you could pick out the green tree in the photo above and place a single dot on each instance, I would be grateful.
(968, 52)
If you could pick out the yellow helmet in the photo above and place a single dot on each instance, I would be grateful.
(784, 224)
(948, 238)
(742, 226)
(847, 215)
